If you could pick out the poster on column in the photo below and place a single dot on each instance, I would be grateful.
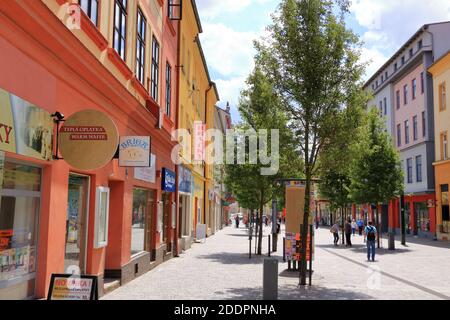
(24, 128)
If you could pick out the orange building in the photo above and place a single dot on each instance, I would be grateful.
(441, 80)
(118, 57)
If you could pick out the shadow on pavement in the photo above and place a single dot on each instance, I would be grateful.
(362, 248)
(236, 258)
(293, 292)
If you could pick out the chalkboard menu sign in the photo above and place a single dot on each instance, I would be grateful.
(73, 287)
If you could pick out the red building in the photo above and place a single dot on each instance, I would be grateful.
(48, 207)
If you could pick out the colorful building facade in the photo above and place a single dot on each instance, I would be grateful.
(197, 98)
(57, 58)
(402, 90)
(440, 71)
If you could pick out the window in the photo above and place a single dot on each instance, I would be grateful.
(382, 78)
(376, 83)
(424, 125)
(414, 88)
(445, 208)
(419, 168)
(415, 128)
(386, 75)
(140, 46)
(405, 94)
(143, 201)
(422, 84)
(175, 9)
(120, 27)
(385, 106)
(168, 89)
(90, 7)
(381, 108)
(395, 67)
(403, 60)
(397, 95)
(155, 69)
(20, 201)
(406, 132)
(409, 168)
(444, 146)
(410, 53)
(442, 97)
(399, 135)
(420, 44)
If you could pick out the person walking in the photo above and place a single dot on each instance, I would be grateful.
(348, 233)
(360, 224)
(354, 226)
(237, 221)
(335, 231)
(370, 237)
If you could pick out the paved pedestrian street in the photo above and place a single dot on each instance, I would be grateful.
(220, 268)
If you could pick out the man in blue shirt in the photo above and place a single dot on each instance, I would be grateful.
(360, 226)
(370, 236)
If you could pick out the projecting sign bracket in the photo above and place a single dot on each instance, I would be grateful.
(57, 118)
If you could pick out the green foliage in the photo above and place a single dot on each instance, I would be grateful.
(336, 157)
(376, 175)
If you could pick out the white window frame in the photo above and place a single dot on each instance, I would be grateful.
(99, 243)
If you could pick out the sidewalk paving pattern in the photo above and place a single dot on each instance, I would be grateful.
(220, 269)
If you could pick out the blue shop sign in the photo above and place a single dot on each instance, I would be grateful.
(168, 180)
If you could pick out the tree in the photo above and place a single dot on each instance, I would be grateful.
(336, 157)
(376, 175)
(311, 59)
(259, 108)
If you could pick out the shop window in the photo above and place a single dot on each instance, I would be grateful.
(445, 208)
(141, 217)
(19, 217)
(423, 217)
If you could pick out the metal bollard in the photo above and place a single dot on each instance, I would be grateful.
(270, 279)
(269, 245)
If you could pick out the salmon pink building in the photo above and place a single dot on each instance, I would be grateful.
(57, 58)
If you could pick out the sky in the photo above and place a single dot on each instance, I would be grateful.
(231, 26)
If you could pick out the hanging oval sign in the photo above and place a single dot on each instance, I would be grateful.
(88, 140)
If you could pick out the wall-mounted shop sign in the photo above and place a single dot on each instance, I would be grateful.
(147, 174)
(184, 180)
(24, 128)
(73, 287)
(88, 140)
(134, 151)
(168, 180)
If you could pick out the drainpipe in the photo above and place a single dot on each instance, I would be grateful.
(177, 124)
(206, 194)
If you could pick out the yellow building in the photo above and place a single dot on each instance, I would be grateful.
(197, 98)
(441, 81)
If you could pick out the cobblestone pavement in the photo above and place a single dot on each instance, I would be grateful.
(221, 269)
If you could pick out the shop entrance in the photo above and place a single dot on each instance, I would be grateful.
(76, 224)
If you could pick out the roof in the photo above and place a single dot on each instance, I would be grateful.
(197, 16)
(444, 56)
(402, 48)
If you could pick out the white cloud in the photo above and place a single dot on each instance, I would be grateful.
(212, 8)
(229, 52)
(389, 24)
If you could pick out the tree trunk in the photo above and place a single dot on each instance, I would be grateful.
(304, 230)
(261, 230)
(256, 228)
